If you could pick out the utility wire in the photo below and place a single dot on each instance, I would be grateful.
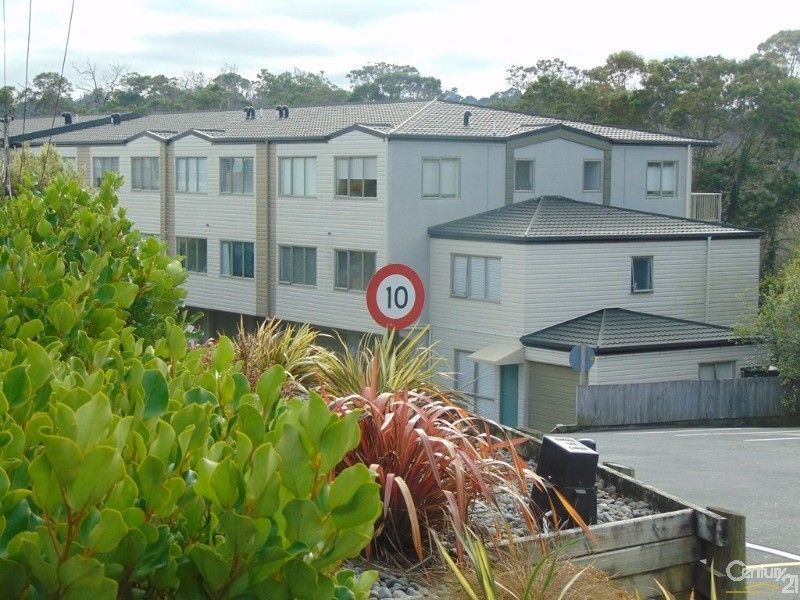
(25, 91)
(60, 86)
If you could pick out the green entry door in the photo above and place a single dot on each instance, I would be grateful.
(509, 394)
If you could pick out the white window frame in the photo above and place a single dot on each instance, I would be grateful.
(281, 182)
(104, 164)
(634, 289)
(532, 167)
(476, 376)
(469, 258)
(197, 160)
(291, 280)
(183, 244)
(222, 273)
(660, 193)
(583, 174)
(716, 364)
(350, 178)
(439, 161)
(155, 182)
(365, 279)
(234, 192)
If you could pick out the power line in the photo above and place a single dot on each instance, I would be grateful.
(25, 91)
(60, 86)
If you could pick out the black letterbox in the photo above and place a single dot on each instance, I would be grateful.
(566, 463)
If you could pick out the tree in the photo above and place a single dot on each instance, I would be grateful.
(783, 48)
(296, 87)
(98, 85)
(49, 93)
(777, 326)
(385, 81)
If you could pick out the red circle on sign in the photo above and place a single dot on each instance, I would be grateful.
(380, 317)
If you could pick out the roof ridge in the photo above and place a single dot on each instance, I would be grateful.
(533, 216)
(399, 125)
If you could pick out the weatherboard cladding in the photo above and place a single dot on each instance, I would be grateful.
(438, 119)
(618, 330)
(558, 219)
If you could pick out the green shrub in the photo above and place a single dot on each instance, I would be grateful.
(132, 467)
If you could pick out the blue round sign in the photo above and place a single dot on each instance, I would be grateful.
(581, 358)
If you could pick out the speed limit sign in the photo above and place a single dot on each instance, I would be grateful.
(395, 296)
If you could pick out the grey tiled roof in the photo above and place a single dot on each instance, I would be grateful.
(39, 124)
(559, 219)
(416, 119)
(618, 330)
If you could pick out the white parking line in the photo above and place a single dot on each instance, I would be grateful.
(781, 553)
(748, 432)
(783, 439)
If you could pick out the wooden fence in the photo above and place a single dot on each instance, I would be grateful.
(679, 401)
(674, 547)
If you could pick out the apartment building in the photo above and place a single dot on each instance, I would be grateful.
(288, 212)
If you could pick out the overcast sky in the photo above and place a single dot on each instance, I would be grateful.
(468, 44)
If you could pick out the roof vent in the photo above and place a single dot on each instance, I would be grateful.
(116, 119)
(68, 119)
(285, 110)
(467, 115)
(249, 113)
(279, 111)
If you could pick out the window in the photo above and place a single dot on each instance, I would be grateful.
(191, 175)
(354, 269)
(357, 177)
(440, 177)
(475, 277)
(661, 178)
(717, 370)
(523, 175)
(236, 176)
(298, 176)
(195, 251)
(104, 165)
(642, 274)
(477, 381)
(236, 259)
(298, 265)
(145, 173)
(592, 176)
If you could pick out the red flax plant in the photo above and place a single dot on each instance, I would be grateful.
(433, 459)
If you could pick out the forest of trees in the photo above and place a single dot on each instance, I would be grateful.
(750, 106)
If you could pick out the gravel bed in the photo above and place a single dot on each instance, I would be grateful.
(611, 506)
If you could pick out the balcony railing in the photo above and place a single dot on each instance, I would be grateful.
(706, 207)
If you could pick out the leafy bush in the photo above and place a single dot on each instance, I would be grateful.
(385, 364)
(433, 460)
(294, 347)
(132, 467)
(38, 170)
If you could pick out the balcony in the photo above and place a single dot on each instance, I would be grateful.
(706, 207)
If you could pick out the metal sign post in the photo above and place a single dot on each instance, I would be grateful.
(581, 359)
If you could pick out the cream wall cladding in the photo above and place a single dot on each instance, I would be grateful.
(217, 217)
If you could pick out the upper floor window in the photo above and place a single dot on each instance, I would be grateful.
(524, 173)
(298, 265)
(357, 176)
(145, 173)
(237, 259)
(236, 176)
(103, 165)
(662, 178)
(642, 274)
(475, 277)
(717, 370)
(298, 176)
(195, 253)
(592, 176)
(440, 177)
(191, 175)
(354, 269)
